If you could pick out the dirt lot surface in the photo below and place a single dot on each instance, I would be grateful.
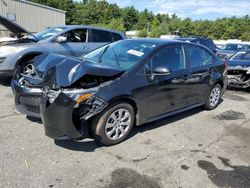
(194, 149)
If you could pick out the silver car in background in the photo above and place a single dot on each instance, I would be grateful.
(69, 40)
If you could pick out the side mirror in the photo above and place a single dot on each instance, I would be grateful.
(61, 39)
(160, 71)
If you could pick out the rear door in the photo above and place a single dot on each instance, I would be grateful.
(166, 93)
(76, 43)
(99, 38)
(201, 67)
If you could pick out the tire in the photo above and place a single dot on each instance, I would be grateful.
(107, 122)
(213, 98)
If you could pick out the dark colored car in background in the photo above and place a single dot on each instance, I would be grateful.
(124, 83)
(209, 43)
(239, 70)
(229, 49)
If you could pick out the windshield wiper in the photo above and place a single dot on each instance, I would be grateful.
(116, 59)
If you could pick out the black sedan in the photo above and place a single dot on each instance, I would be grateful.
(120, 85)
(239, 70)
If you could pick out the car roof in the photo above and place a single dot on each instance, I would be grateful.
(186, 38)
(247, 51)
(88, 27)
(242, 44)
(161, 42)
(193, 38)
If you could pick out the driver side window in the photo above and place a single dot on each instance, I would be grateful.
(78, 35)
(172, 57)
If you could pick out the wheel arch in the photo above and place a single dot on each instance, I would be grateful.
(27, 56)
(220, 82)
(129, 100)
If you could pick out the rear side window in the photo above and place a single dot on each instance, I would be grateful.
(172, 57)
(198, 56)
(101, 36)
(116, 37)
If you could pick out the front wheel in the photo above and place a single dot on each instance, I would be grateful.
(114, 124)
(213, 98)
(27, 65)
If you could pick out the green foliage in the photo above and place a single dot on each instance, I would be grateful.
(67, 5)
(143, 33)
(102, 13)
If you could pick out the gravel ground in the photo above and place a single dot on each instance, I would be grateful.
(194, 149)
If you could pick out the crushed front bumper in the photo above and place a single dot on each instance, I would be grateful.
(57, 117)
(64, 119)
(27, 99)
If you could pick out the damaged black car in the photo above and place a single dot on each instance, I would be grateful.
(126, 83)
(239, 70)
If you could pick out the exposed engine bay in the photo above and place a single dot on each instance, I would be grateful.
(54, 76)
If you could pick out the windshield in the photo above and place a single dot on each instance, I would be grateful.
(123, 54)
(232, 47)
(244, 56)
(48, 33)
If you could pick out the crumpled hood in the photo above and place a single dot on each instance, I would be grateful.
(234, 63)
(55, 70)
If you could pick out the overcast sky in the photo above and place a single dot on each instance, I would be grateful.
(195, 9)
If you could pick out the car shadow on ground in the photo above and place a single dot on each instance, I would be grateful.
(90, 145)
(5, 81)
(165, 121)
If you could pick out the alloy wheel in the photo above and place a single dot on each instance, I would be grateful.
(214, 96)
(29, 69)
(118, 124)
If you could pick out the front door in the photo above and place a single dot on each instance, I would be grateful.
(76, 44)
(166, 93)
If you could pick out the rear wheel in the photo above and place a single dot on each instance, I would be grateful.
(214, 97)
(114, 124)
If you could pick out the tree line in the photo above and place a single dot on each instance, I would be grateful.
(102, 13)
